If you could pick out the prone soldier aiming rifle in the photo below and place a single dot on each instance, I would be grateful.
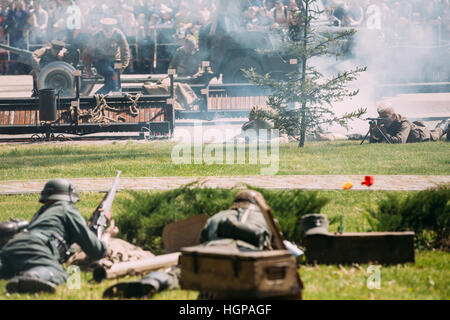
(32, 259)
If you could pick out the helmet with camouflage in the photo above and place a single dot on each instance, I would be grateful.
(59, 189)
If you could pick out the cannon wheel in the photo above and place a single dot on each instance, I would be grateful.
(58, 75)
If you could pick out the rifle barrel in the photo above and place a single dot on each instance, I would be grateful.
(107, 203)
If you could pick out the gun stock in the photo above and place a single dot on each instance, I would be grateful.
(98, 221)
(278, 238)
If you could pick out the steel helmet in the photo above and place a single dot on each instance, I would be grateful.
(59, 189)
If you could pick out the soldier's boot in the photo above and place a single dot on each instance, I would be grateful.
(26, 284)
(146, 287)
(134, 289)
(153, 282)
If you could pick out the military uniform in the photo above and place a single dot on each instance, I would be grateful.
(40, 250)
(103, 52)
(42, 57)
(33, 258)
(404, 131)
(212, 235)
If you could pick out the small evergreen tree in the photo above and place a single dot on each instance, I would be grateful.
(302, 101)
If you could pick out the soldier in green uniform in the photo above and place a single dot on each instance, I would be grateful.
(32, 259)
(103, 50)
(186, 60)
(242, 226)
(398, 129)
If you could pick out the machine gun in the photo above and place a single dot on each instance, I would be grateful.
(98, 221)
(374, 123)
(9, 228)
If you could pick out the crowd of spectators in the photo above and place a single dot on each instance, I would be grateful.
(408, 22)
(25, 23)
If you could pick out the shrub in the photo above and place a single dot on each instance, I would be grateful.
(427, 213)
(143, 215)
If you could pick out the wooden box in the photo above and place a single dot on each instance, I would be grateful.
(233, 274)
(360, 247)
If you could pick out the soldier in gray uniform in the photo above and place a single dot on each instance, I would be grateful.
(242, 226)
(32, 259)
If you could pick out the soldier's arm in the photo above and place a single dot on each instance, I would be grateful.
(36, 57)
(402, 135)
(83, 236)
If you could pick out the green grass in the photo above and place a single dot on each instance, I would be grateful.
(428, 278)
(29, 161)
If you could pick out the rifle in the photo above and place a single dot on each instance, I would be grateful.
(98, 221)
(279, 241)
(376, 119)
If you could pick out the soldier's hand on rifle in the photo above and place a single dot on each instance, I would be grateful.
(112, 229)
(382, 128)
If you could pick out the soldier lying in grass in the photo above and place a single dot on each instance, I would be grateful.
(242, 226)
(33, 258)
(398, 129)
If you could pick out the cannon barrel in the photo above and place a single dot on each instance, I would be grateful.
(15, 50)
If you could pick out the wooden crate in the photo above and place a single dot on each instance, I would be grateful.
(233, 274)
(360, 247)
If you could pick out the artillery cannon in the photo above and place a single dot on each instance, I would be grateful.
(58, 75)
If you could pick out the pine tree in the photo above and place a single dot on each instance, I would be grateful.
(302, 101)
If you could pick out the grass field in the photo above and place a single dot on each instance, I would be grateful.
(428, 278)
(30, 161)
